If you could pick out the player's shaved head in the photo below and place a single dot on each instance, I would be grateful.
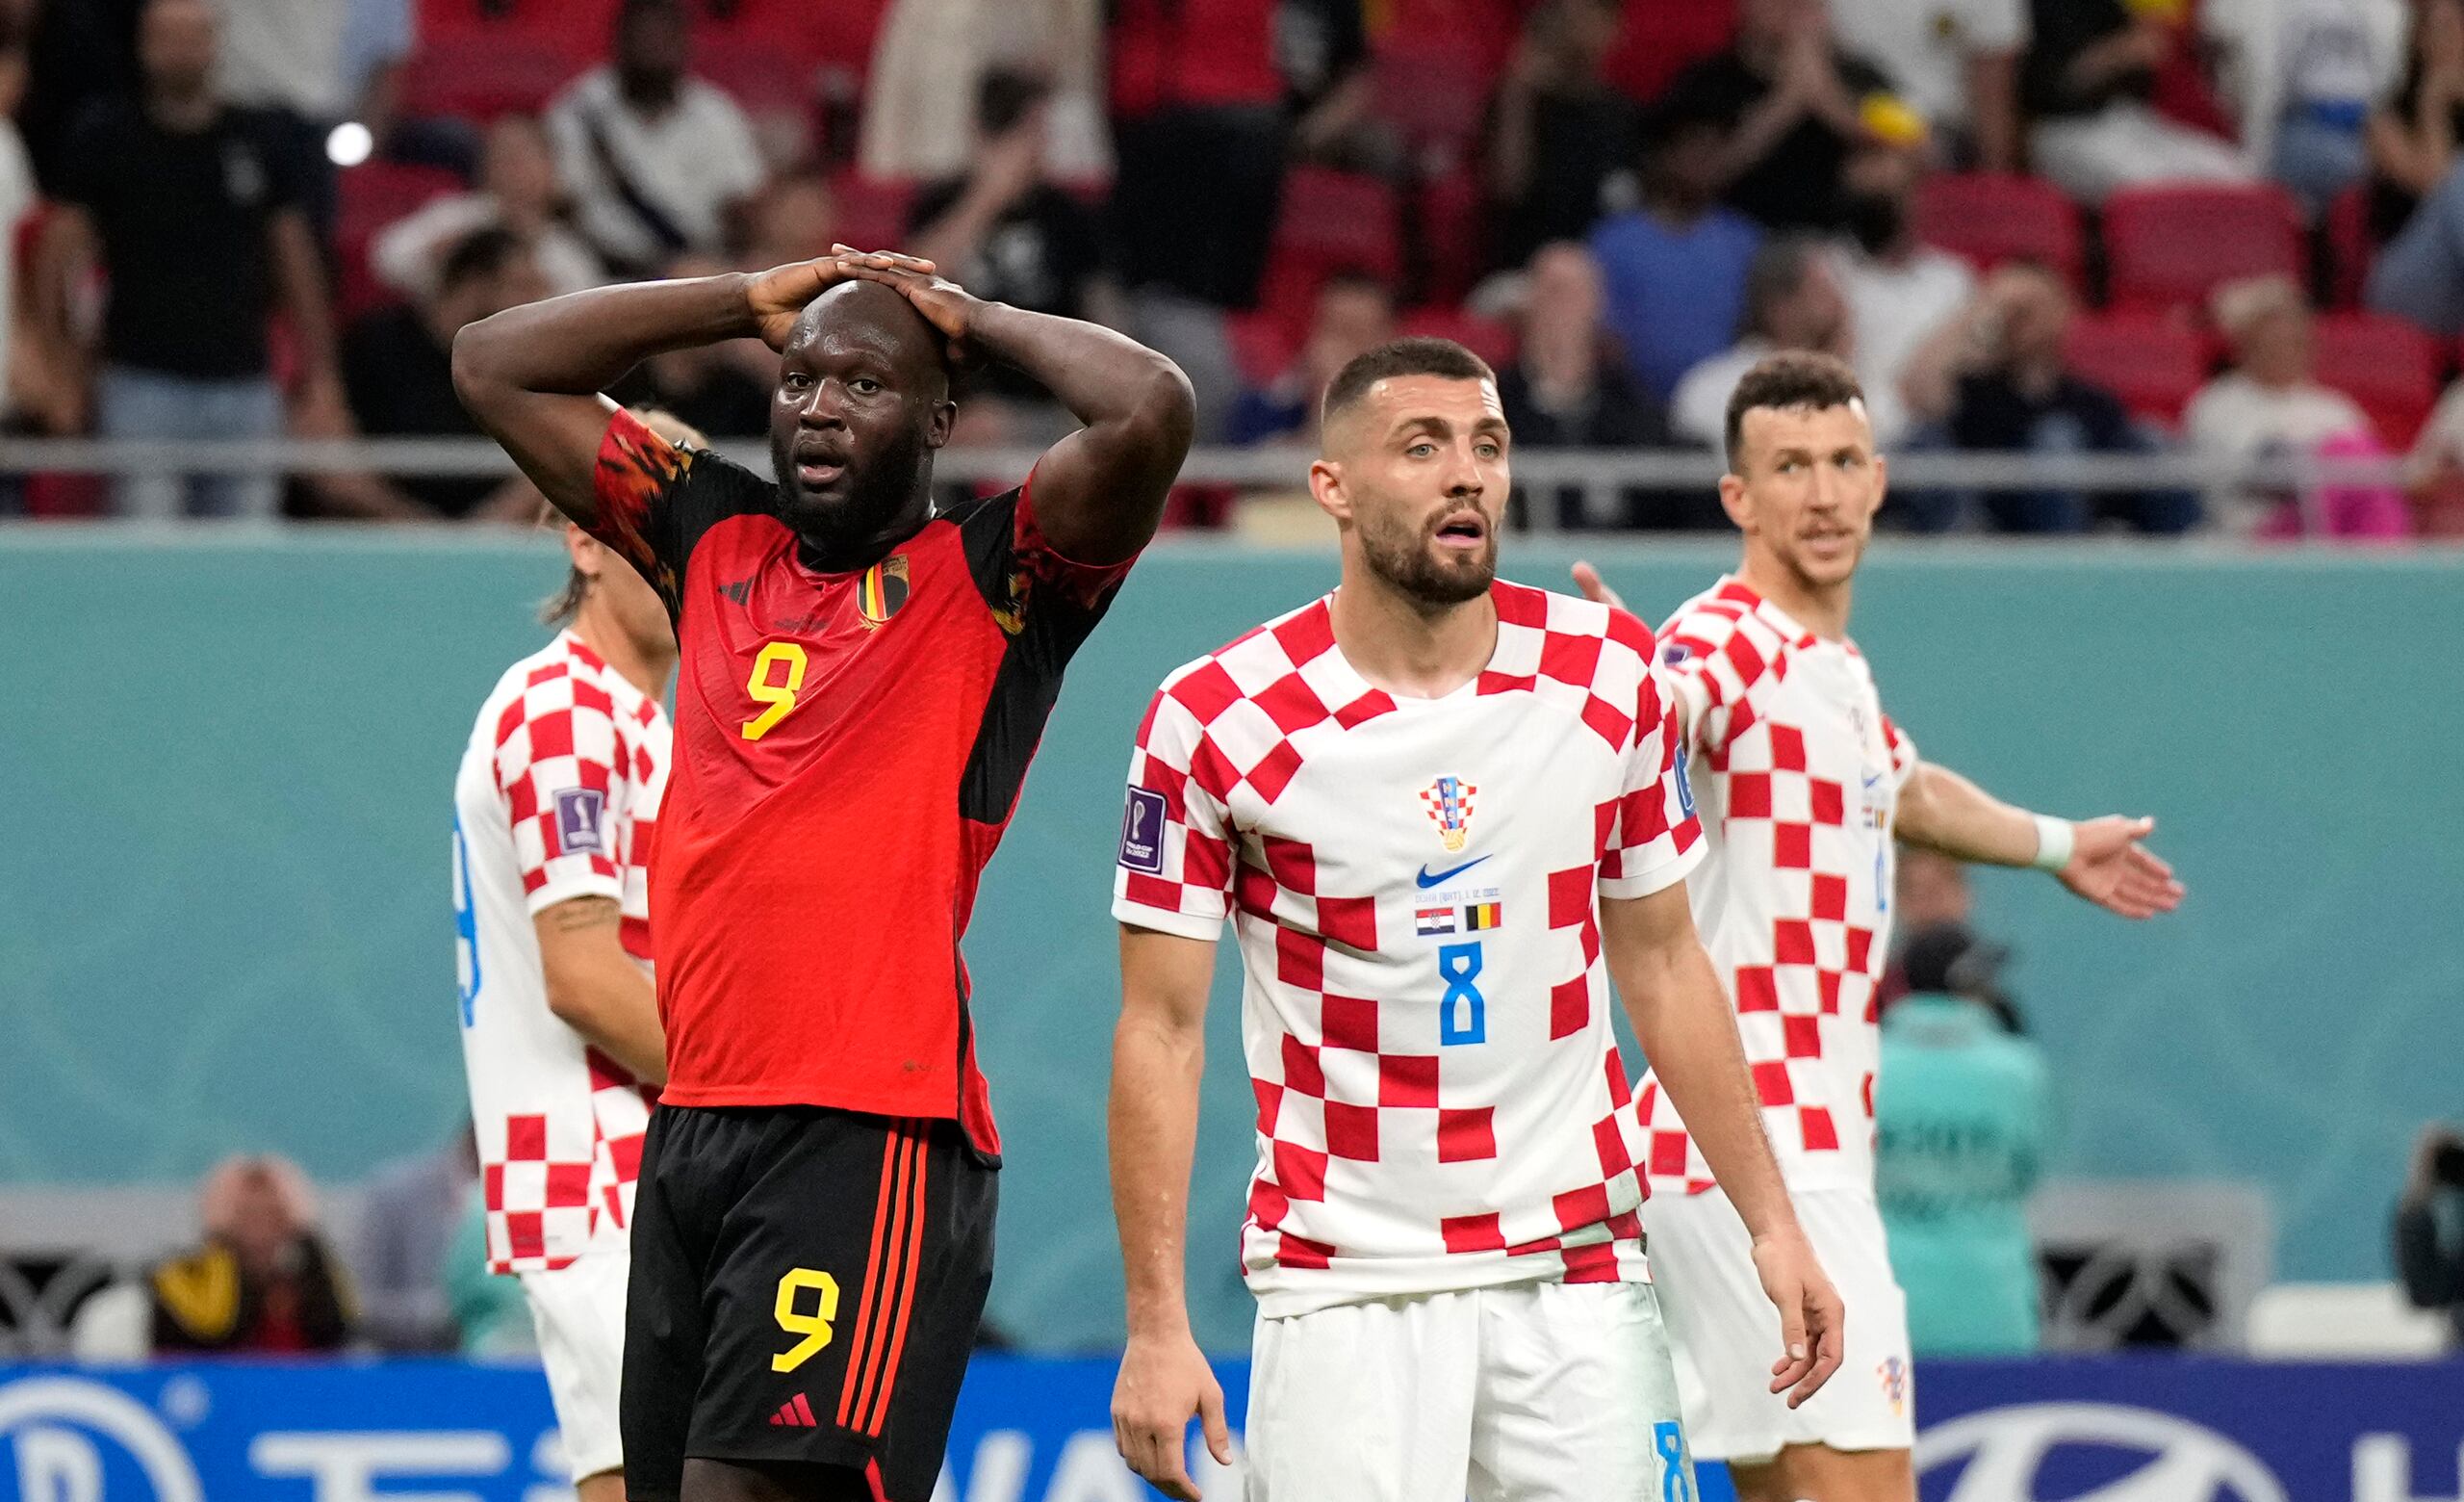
(862, 401)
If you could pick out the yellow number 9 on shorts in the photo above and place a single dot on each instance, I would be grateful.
(814, 1326)
(778, 698)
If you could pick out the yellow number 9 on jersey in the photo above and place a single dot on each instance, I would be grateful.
(815, 1326)
(777, 697)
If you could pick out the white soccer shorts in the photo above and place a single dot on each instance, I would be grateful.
(1727, 1333)
(580, 1314)
(1538, 1392)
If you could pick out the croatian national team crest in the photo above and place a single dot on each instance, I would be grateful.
(882, 590)
(1894, 1374)
(1449, 801)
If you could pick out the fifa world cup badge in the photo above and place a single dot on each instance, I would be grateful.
(1449, 801)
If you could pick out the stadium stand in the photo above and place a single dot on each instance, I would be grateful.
(2168, 247)
(2154, 363)
(1990, 218)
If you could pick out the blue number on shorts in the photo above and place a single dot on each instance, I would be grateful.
(1676, 1484)
(1462, 1013)
(466, 925)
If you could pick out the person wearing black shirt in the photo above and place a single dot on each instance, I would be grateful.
(194, 209)
(1558, 133)
(2088, 80)
(1793, 103)
(1007, 230)
(397, 365)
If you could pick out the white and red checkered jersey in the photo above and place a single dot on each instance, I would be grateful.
(557, 798)
(1799, 773)
(1413, 885)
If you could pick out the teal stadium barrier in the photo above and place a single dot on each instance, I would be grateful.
(224, 920)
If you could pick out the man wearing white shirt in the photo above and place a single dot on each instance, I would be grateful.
(1901, 291)
(656, 158)
(2268, 402)
(1955, 61)
(1793, 300)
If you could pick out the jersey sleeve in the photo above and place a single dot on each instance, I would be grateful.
(1721, 667)
(656, 499)
(1654, 837)
(1175, 867)
(1903, 752)
(1049, 603)
(561, 767)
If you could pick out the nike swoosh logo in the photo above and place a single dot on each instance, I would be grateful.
(1428, 879)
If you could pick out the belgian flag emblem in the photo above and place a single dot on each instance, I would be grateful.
(882, 590)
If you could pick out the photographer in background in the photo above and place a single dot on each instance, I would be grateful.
(2429, 1227)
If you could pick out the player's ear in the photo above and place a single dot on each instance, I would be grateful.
(587, 556)
(936, 428)
(1738, 501)
(1326, 487)
(1882, 484)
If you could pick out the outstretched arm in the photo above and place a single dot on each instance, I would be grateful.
(1099, 492)
(532, 376)
(1687, 1032)
(2101, 860)
(1159, 1053)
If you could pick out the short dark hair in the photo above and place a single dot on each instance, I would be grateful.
(1443, 358)
(1792, 379)
(485, 251)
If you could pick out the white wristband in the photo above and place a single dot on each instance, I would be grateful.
(2055, 838)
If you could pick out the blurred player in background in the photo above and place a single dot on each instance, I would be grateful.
(1448, 813)
(863, 683)
(554, 812)
(1804, 783)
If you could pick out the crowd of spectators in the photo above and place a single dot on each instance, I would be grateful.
(250, 217)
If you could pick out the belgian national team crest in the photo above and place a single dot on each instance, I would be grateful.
(1449, 801)
(882, 590)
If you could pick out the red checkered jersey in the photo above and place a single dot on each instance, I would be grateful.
(849, 749)
(1413, 884)
(1799, 771)
(557, 798)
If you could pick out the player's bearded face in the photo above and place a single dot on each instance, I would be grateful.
(882, 467)
(1812, 489)
(1441, 554)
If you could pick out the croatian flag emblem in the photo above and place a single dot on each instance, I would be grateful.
(578, 813)
(1449, 801)
(1434, 920)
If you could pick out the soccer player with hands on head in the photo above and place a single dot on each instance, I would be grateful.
(1806, 782)
(863, 683)
(1443, 813)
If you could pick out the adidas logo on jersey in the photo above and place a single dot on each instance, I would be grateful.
(794, 1413)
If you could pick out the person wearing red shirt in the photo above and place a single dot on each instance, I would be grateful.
(863, 683)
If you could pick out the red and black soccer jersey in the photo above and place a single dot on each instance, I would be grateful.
(849, 747)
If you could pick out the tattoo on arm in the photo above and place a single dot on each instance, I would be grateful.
(581, 914)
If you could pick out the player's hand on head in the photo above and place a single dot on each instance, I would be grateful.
(1596, 588)
(2111, 868)
(945, 304)
(1163, 1384)
(1812, 1320)
(779, 293)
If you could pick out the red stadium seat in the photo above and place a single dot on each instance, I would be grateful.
(1452, 235)
(1431, 89)
(1328, 222)
(872, 211)
(1662, 36)
(1990, 218)
(2170, 245)
(2386, 365)
(578, 31)
(481, 77)
(2155, 365)
(1262, 348)
(1485, 337)
(2350, 248)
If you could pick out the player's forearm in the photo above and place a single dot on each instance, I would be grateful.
(1153, 1128)
(1109, 381)
(584, 342)
(1684, 1023)
(615, 1007)
(1943, 811)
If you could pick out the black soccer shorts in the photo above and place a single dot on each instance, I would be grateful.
(807, 1285)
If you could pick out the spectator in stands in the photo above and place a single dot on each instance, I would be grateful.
(1008, 233)
(263, 1280)
(2429, 1227)
(1955, 61)
(1963, 1119)
(658, 160)
(2413, 135)
(1996, 382)
(1901, 291)
(398, 366)
(929, 59)
(1566, 390)
(194, 207)
(1321, 49)
(722, 389)
(1355, 313)
(1794, 105)
(1675, 267)
(1558, 131)
(519, 191)
(407, 1220)
(2303, 76)
(2268, 403)
(1792, 302)
(2088, 80)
